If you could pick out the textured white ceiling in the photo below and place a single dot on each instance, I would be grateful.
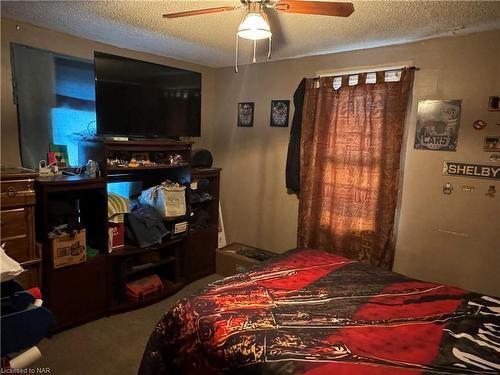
(209, 39)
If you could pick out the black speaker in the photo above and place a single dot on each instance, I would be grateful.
(201, 158)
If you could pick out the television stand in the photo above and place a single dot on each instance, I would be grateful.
(131, 262)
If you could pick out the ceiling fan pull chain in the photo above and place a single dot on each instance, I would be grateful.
(269, 51)
(254, 48)
(236, 57)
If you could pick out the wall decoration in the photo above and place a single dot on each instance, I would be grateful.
(494, 103)
(279, 113)
(58, 154)
(468, 188)
(495, 158)
(437, 125)
(479, 124)
(492, 143)
(245, 114)
(453, 168)
(447, 188)
(491, 191)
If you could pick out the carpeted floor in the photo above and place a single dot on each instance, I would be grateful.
(111, 345)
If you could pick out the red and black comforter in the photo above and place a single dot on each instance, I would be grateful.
(311, 312)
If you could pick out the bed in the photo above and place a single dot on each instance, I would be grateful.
(315, 313)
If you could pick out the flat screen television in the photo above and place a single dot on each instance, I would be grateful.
(144, 100)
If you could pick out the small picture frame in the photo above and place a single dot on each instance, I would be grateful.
(245, 114)
(280, 110)
(492, 144)
(494, 103)
(58, 154)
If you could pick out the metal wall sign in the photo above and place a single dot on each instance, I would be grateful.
(437, 125)
(454, 168)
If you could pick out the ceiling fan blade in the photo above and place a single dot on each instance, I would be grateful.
(200, 11)
(315, 7)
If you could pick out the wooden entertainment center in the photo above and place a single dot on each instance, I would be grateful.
(97, 287)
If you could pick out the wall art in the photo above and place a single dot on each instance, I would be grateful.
(491, 191)
(494, 103)
(479, 124)
(280, 110)
(495, 158)
(468, 188)
(245, 114)
(492, 143)
(453, 168)
(437, 125)
(447, 188)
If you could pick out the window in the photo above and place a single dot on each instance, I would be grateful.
(55, 95)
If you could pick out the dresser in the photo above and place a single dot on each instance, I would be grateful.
(17, 216)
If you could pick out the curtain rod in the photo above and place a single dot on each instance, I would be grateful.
(364, 70)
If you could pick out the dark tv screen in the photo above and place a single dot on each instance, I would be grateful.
(140, 99)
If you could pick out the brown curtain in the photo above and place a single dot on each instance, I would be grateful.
(350, 156)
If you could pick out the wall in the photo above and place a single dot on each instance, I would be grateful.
(69, 45)
(257, 210)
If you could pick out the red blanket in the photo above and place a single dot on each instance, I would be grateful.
(311, 312)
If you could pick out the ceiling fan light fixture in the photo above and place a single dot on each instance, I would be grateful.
(254, 26)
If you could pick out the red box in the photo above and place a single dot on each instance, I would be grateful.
(116, 235)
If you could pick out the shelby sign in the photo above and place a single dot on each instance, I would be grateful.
(453, 168)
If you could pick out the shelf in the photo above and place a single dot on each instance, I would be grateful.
(146, 168)
(169, 289)
(129, 250)
(150, 266)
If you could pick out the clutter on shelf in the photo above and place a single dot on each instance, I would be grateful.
(45, 169)
(118, 206)
(68, 246)
(145, 287)
(145, 226)
(151, 159)
(169, 198)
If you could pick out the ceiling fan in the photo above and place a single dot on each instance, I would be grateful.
(255, 23)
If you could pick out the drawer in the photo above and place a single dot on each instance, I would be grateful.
(12, 187)
(15, 222)
(30, 278)
(17, 192)
(21, 249)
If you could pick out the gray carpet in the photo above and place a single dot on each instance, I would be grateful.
(111, 345)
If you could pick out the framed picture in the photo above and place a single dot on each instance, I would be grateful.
(58, 154)
(492, 144)
(437, 125)
(245, 114)
(280, 110)
(494, 103)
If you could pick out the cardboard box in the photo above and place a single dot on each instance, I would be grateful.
(68, 249)
(228, 262)
(116, 235)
